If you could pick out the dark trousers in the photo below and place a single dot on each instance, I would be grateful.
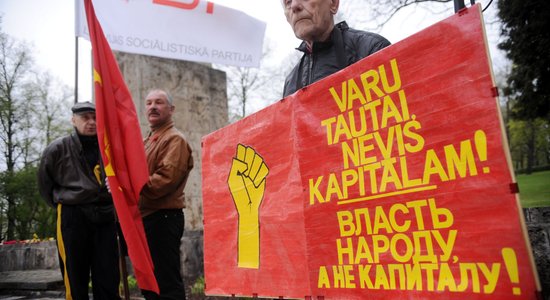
(87, 246)
(164, 230)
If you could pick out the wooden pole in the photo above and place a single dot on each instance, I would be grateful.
(75, 69)
(122, 263)
(122, 266)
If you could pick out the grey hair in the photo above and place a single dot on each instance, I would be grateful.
(168, 96)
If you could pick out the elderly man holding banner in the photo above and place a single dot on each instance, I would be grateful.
(327, 47)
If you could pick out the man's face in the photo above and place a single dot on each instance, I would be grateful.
(85, 123)
(311, 20)
(158, 109)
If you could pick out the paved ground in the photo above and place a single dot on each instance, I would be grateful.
(33, 284)
(31, 280)
(48, 285)
(41, 295)
(35, 295)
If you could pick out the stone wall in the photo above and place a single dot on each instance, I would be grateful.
(31, 256)
(538, 226)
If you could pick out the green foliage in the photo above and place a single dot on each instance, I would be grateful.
(133, 287)
(534, 190)
(132, 282)
(198, 287)
(527, 44)
(31, 214)
(529, 144)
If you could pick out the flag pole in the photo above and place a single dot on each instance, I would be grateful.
(459, 4)
(76, 14)
(92, 74)
(122, 265)
(75, 68)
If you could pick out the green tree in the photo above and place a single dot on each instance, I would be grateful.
(29, 118)
(14, 64)
(529, 144)
(32, 214)
(527, 40)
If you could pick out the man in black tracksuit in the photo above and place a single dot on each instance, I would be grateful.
(71, 179)
(327, 48)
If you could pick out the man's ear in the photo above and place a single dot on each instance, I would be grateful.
(334, 4)
(72, 120)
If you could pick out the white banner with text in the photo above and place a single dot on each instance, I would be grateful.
(194, 30)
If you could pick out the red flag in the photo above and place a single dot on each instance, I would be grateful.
(121, 147)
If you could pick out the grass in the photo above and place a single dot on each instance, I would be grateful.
(534, 189)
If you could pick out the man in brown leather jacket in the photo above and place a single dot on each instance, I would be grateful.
(162, 199)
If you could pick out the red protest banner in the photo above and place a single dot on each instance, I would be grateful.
(274, 220)
(387, 180)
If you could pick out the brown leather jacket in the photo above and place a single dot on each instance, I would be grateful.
(169, 161)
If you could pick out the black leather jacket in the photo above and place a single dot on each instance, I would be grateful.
(65, 177)
(345, 47)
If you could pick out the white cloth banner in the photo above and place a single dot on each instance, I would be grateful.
(194, 30)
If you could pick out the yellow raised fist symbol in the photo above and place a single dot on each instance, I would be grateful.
(247, 185)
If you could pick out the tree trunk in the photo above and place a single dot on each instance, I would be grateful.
(531, 142)
(10, 233)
